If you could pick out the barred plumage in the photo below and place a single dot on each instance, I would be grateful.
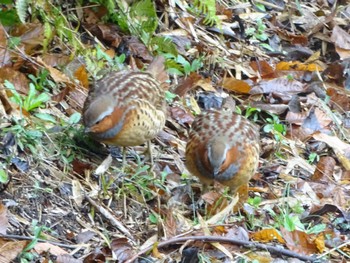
(223, 147)
(125, 108)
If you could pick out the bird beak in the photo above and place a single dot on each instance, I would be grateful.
(87, 130)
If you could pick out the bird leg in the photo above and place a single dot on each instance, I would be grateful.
(124, 158)
(149, 150)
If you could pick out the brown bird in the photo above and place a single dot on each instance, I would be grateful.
(223, 147)
(127, 108)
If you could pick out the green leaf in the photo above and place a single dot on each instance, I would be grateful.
(9, 17)
(3, 176)
(163, 45)
(14, 42)
(74, 118)
(153, 218)
(6, 2)
(196, 64)
(144, 14)
(208, 8)
(175, 71)
(46, 117)
(170, 96)
(34, 134)
(261, 7)
(15, 95)
(21, 7)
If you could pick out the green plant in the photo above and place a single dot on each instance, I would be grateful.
(8, 14)
(27, 254)
(275, 127)
(4, 178)
(65, 145)
(255, 202)
(180, 66)
(169, 96)
(257, 33)
(42, 81)
(29, 102)
(252, 113)
(313, 157)
(208, 8)
(25, 136)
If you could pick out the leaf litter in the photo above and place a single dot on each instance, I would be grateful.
(285, 67)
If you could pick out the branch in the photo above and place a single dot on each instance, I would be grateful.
(209, 239)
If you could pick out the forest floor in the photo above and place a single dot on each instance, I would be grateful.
(284, 65)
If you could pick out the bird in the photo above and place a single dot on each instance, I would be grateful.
(224, 147)
(127, 107)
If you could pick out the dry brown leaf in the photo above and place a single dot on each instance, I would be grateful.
(57, 75)
(181, 116)
(31, 34)
(341, 148)
(296, 117)
(341, 40)
(293, 38)
(5, 58)
(299, 242)
(44, 247)
(55, 59)
(107, 33)
(170, 224)
(264, 69)
(187, 84)
(78, 192)
(121, 249)
(9, 250)
(339, 99)
(324, 169)
(278, 85)
(17, 78)
(137, 48)
(66, 258)
(204, 224)
(4, 223)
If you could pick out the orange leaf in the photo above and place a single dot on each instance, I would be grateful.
(236, 85)
(268, 235)
(319, 241)
(82, 76)
(264, 69)
(298, 66)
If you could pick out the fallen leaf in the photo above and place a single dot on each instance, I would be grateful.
(4, 223)
(299, 242)
(324, 169)
(278, 85)
(236, 85)
(47, 247)
(267, 235)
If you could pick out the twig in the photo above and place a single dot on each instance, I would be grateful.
(110, 217)
(246, 244)
(42, 240)
(333, 249)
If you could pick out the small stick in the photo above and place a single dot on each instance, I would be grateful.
(110, 217)
(17, 237)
